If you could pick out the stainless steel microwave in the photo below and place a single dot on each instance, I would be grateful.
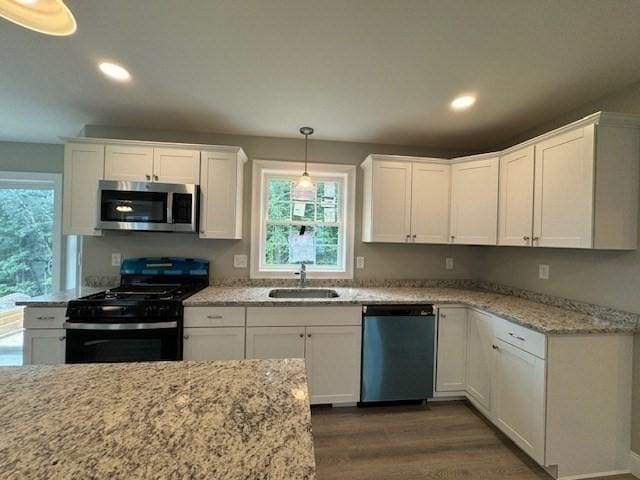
(147, 206)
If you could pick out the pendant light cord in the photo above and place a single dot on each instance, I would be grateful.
(306, 155)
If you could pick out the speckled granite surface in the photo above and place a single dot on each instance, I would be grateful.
(246, 420)
(537, 316)
(59, 299)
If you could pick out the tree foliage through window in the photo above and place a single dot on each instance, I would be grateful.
(26, 241)
(302, 226)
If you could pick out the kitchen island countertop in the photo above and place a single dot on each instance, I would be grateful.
(199, 420)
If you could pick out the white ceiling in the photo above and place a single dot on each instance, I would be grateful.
(358, 70)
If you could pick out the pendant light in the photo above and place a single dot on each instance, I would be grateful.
(51, 17)
(305, 182)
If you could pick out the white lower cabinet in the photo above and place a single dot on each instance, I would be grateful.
(333, 364)
(44, 347)
(452, 349)
(479, 358)
(275, 342)
(565, 400)
(217, 343)
(519, 398)
(328, 338)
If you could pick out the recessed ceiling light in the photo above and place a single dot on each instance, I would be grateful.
(115, 71)
(463, 102)
(51, 17)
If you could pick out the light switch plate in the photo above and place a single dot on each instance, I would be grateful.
(543, 271)
(448, 264)
(239, 261)
(359, 263)
(116, 259)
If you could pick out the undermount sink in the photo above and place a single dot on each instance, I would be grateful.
(303, 293)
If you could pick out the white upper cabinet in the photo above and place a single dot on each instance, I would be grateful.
(145, 164)
(430, 189)
(563, 207)
(221, 193)
(128, 163)
(516, 198)
(474, 202)
(174, 165)
(387, 203)
(406, 199)
(83, 168)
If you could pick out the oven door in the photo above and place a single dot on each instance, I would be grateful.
(147, 206)
(122, 342)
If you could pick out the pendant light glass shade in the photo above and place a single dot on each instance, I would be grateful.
(51, 17)
(305, 182)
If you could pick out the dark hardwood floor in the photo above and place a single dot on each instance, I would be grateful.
(443, 441)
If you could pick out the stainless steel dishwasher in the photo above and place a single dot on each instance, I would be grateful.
(398, 343)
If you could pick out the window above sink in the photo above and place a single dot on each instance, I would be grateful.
(292, 225)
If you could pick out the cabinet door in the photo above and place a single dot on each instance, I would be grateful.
(172, 165)
(430, 189)
(563, 205)
(83, 168)
(44, 347)
(225, 343)
(516, 198)
(479, 357)
(128, 164)
(275, 342)
(519, 398)
(474, 202)
(391, 202)
(452, 350)
(221, 187)
(333, 364)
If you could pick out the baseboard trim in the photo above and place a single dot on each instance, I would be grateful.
(595, 475)
(634, 464)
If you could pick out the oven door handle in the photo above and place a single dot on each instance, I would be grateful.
(119, 326)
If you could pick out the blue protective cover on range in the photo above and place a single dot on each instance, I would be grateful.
(169, 266)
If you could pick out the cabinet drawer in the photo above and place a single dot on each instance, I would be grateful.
(44, 317)
(303, 316)
(521, 337)
(214, 317)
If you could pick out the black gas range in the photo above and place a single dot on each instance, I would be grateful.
(141, 320)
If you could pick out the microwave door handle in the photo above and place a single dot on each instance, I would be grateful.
(170, 208)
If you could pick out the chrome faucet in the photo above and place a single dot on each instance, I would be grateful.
(303, 275)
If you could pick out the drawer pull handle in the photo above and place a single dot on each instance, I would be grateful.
(442, 315)
(45, 318)
(214, 317)
(309, 335)
(302, 335)
(495, 347)
(62, 338)
(517, 337)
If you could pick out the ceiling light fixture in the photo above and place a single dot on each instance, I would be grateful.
(115, 71)
(305, 182)
(463, 102)
(51, 17)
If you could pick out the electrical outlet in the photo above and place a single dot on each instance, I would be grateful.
(116, 259)
(543, 271)
(239, 261)
(359, 263)
(448, 263)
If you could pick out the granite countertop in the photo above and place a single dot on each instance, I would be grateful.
(245, 419)
(59, 299)
(537, 316)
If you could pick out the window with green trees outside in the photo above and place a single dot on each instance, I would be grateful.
(303, 226)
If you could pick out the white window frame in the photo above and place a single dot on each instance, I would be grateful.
(43, 181)
(263, 169)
